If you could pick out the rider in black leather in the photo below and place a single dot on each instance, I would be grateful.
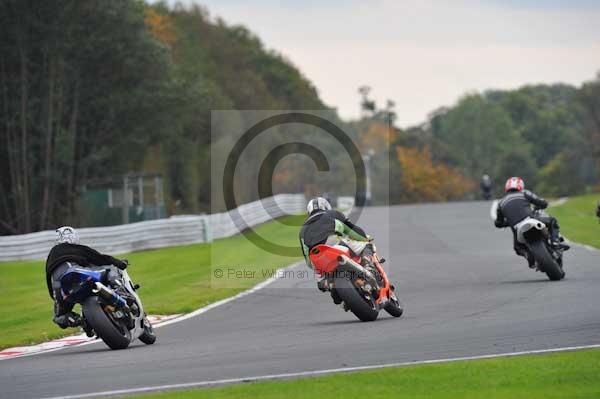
(323, 222)
(516, 206)
(68, 250)
(486, 187)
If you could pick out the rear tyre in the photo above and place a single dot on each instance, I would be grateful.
(358, 305)
(394, 307)
(113, 336)
(148, 336)
(547, 264)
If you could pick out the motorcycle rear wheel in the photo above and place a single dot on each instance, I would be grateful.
(547, 264)
(355, 301)
(103, 325)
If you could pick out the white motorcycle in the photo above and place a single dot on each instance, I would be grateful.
(534, 234)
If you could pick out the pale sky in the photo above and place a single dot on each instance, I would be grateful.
(423, 54)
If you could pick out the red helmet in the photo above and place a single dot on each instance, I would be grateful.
(514, 183)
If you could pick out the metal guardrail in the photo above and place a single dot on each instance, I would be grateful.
(177, 230)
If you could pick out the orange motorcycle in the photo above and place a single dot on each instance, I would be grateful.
(364, 290)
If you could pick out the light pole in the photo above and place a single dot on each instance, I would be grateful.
(366, 159)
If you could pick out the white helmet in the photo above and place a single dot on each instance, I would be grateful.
(318, 203)
(68, 235)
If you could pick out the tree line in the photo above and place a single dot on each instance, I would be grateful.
(91, 90)
(547, 134)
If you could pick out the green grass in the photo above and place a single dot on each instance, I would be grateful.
(577, 219)
(174, 280)
(573, 375)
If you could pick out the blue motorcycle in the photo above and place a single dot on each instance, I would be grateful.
(110, 305)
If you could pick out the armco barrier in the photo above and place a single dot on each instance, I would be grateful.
(178, 230)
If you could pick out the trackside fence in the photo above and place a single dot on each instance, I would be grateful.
(177, 230)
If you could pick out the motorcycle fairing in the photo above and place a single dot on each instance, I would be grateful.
(527, 224)
(77, 283)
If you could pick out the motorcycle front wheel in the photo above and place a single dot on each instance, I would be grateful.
(116, 337)
(394, 307)
(148, 336)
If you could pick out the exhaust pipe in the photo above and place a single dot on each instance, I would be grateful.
(109, 296)
(344, 260)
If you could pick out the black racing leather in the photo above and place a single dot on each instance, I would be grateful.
(80, 254)
(516, 206)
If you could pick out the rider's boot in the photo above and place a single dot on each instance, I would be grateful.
(323, 285)
(562, 244)
(64, 317)
(559, 242)
(66, 320)
(556, 239)
(335, 296)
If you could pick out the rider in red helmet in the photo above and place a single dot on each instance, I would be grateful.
(516, 206)
(514, 184)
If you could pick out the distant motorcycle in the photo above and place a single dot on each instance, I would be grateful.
(486, 187)
(487, 194)
(534, 234)
(110, 304)
(364, 291)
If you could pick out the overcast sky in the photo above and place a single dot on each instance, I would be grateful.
(423, 54)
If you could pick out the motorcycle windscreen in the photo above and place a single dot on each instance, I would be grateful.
(77, 283)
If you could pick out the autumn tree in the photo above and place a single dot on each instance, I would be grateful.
(377, 137)
(423, 180)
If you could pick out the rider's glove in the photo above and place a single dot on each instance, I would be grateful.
(121, 263)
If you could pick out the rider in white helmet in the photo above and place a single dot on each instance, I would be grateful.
(68, 249)
(323, 224)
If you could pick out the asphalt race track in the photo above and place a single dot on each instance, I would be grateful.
(465, 293)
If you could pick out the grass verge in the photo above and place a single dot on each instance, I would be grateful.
(571, 375)
(577, 219)
(174, 280)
